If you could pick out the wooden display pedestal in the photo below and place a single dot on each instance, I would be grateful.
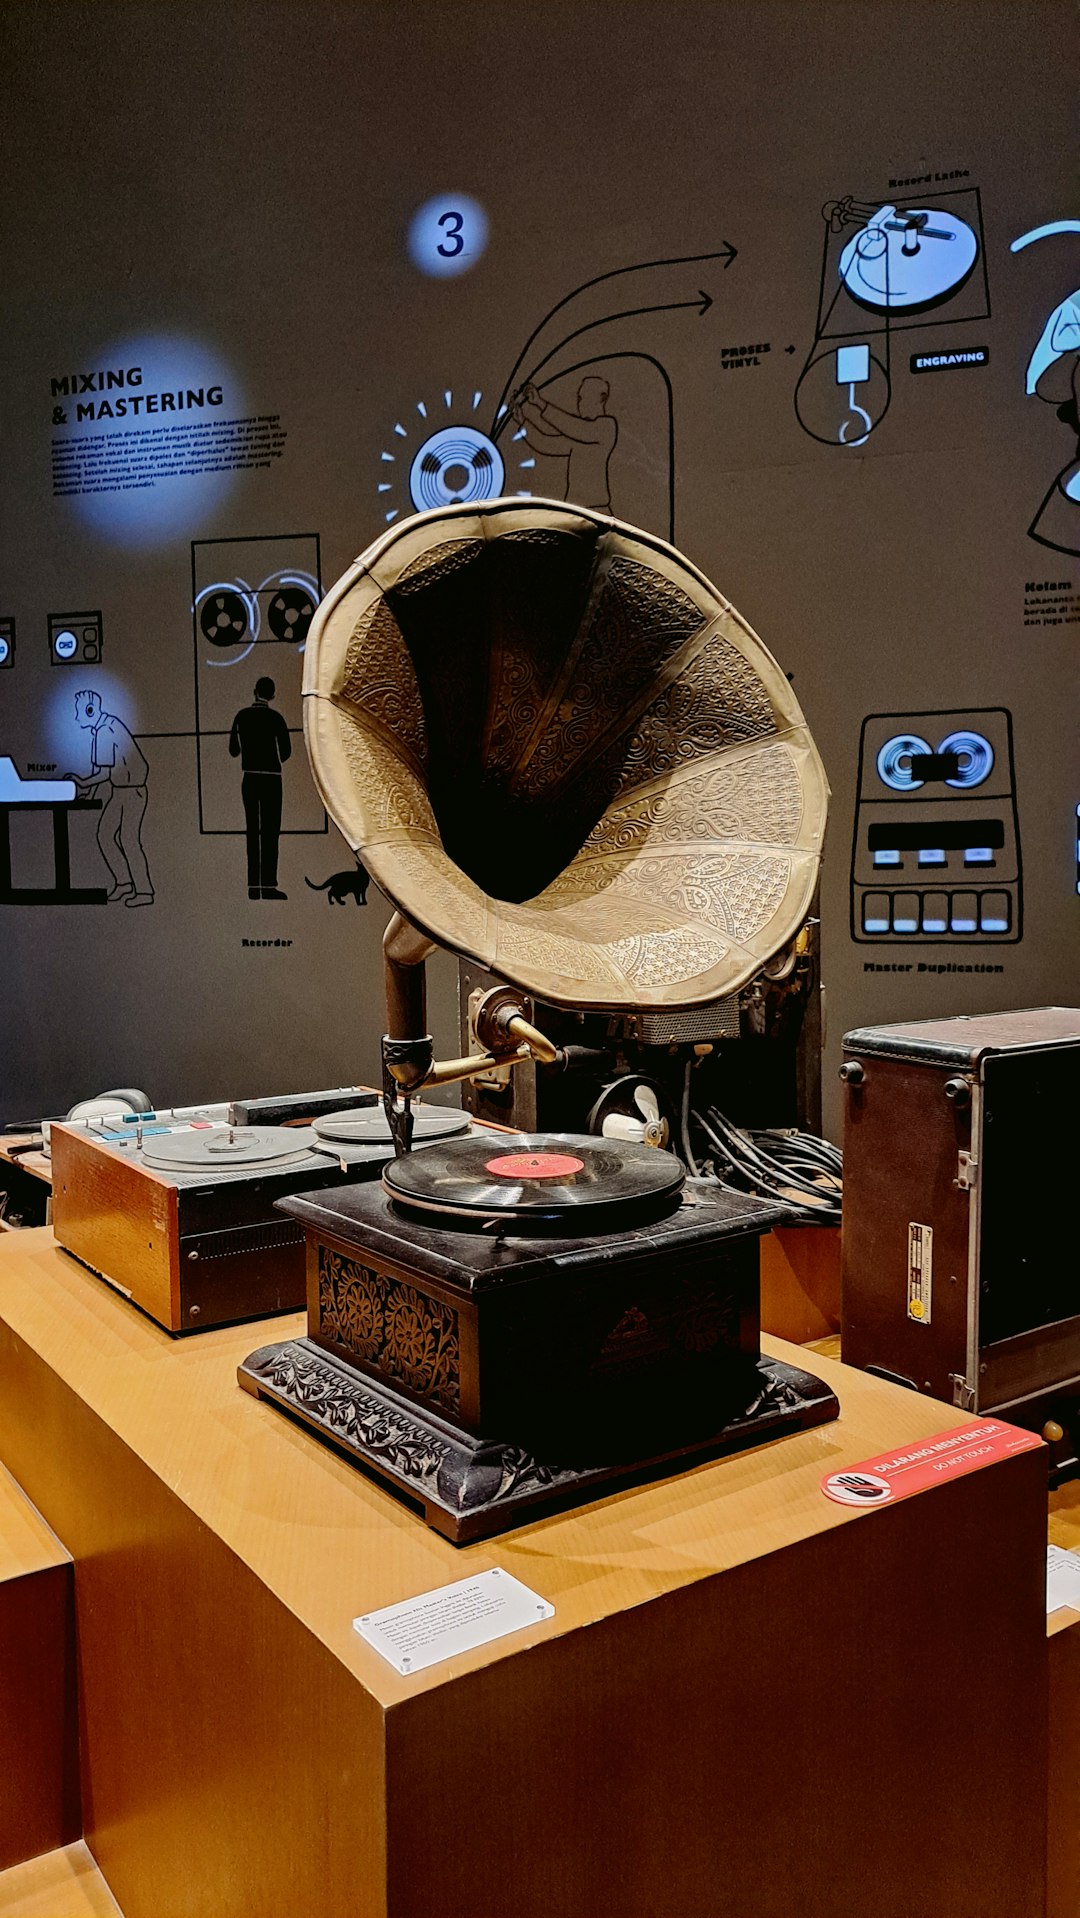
(749, 1702)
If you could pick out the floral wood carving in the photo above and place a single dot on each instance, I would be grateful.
(409, 1337)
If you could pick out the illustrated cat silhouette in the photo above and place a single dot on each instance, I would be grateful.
(342, 886)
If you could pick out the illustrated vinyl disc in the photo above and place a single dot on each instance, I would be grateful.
(563, 1178)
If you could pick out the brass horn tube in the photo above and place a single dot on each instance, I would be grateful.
(405, 978)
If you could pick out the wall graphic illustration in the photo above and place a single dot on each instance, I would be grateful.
(75, 639)
(447, 235)
(1053, 375)
(582, 440)
(554, 428)
(105, 784)
(56, 800)
(259, 739)
(444, 462)
(936, 850)
(496, 262)
(887, 268)
(118, 779)
(252, 603)
(343, 886)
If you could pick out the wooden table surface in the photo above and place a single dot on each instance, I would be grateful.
(331, 1544)
(250, 1756)
(33, 1162)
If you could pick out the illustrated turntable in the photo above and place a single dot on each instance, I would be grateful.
(181, 1216)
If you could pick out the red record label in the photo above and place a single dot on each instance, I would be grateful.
(535, 1165)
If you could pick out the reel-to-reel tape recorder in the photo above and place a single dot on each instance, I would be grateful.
(182, 1217)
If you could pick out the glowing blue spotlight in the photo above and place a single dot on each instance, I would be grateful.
(69, 744)
(447, 235)
(144, 452)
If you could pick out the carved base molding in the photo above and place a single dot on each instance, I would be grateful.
(470, 1488)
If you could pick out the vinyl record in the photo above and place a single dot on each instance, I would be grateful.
(368, 1126)
(560, 1178)
(225, 1148)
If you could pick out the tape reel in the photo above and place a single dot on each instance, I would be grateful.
(894, 762)
(224, 617)
(290, 613)
(972, 750)
(458, 465)
(976, 756)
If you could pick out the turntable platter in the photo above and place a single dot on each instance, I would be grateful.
(535, 1179)
(369, 1127)
(221, 1148)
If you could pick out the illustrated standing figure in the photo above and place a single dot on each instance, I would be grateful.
(586, 439)
(260, 740)
(118, 764)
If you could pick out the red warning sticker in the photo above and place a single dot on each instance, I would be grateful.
(895, 1475)
(535, 1165)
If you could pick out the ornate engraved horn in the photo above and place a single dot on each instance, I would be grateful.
(562, 754)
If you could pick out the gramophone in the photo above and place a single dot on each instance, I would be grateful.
(564, 756)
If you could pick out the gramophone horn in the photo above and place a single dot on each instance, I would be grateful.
(561, 753)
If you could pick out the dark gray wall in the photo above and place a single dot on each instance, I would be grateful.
(242, 179)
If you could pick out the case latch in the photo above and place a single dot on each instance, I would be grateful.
(963, 1394)
(967, 1171)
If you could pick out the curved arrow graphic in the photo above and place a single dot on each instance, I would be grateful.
(701, 305)
(727, 253)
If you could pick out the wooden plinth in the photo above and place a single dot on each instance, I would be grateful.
(749, 1702)
(64, 1883)
(39, 1755)
(800, 1282)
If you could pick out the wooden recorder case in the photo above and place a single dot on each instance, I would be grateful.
(194, 1250)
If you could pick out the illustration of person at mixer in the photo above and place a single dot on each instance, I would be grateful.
(260, 741)
(1053, 375)
(118, 767)
(585, 439)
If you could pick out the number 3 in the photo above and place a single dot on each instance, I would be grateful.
(457, 244)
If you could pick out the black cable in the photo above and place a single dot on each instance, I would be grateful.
(795, 1168)
(684, 1128)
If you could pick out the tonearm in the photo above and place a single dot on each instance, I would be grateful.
(408, 1049)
